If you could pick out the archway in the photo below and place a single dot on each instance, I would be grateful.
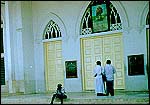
(94, 46)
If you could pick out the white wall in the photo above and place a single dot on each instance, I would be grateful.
(19, 53)
(134, 37)
(28, 47)
(66, 19)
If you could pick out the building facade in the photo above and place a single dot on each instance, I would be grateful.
(51, 42)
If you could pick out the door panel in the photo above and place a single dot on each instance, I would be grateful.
(118, 61)
(97, 49)
(102, 48)
(88, 59)
(92, 52)
(54, 68)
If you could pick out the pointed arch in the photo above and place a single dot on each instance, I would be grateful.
(122, 13)
(119, 7)
(52, 30)
(86, 20)
(143, 15)
(45, 21)
(84, 7)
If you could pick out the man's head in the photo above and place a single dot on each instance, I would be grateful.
(59, 85)
(108, 62)
(98, 63)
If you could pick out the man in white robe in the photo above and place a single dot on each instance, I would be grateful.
(99, 85)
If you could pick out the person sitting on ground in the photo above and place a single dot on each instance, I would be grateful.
(60, 93)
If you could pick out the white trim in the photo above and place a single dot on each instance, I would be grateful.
(147, 26)
(100, 34)
(7, 48)
(2, 25)
(53, 39)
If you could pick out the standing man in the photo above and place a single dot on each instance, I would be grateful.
(99, 85)
(109, 70)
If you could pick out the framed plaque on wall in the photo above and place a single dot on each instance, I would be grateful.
(136, 64)
(71, 69)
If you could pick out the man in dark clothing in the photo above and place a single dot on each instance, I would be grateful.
(60, 93)
(109, 71)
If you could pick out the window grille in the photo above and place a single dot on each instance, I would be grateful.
(52, 30)
(114, 19)
(86, 23)
(115, 22)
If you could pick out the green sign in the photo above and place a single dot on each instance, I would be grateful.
(71, 69)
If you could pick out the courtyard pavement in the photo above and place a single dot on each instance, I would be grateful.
(88, 97)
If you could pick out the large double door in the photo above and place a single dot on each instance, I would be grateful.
(102, 48)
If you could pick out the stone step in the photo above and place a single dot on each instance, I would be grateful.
(79, 98)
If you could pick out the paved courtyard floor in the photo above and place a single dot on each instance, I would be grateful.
(88, 97)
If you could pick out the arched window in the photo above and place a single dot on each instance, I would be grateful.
(113, 18)
(52, 30)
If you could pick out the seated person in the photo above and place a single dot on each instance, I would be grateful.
(60, 93)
